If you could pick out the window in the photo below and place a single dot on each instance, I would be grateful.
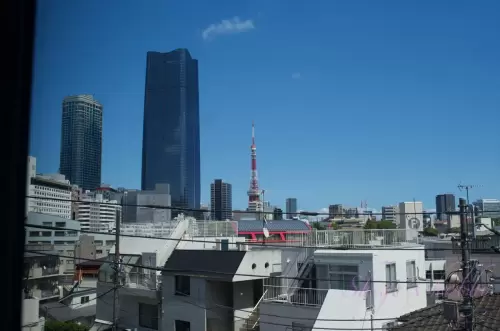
(182, 325)
(439, 274)
(343, 277)
(84, 299)
(182, 285)
(148, 316)
(411, 274)
(428, 274)
(390, 277)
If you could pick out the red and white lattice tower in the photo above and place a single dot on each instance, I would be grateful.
(254, 203)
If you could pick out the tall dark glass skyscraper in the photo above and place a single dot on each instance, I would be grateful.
(444, 203)
(81, 141)
(221, 200)
(171, 137)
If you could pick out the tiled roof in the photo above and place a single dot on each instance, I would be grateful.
(282, 225)
(486, 310)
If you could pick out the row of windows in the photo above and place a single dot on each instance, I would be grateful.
(391, 276)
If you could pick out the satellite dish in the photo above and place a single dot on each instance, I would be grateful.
(266, 232)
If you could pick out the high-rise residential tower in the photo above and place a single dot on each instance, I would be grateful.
(291, 208)
(445, 203)
(221, 200)
(81, 141)
(171, 133)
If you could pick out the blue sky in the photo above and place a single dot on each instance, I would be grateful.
(382, 101)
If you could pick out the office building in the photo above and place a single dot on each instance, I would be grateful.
(389, 213)
(445, 203)
(291, 208)
(489, 207)
(221, 200)
(171, 134)
(81, 141)
(139, 206)
(410, 217)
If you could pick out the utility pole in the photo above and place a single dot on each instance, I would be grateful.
(467, 188)
(466, 308)
(116, 279)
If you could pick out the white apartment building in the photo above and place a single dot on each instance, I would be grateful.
(98, 214)
(348, 287)
(41, 188)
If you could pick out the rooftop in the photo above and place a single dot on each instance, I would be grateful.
(212, 263)
(281, 225)
(487, 317)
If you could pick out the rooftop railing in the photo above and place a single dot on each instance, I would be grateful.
(354, 238)
(199, 228)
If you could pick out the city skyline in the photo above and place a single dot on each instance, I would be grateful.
(370, 77)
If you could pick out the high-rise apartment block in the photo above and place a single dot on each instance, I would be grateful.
(81, 141)
(389, 213)
(445, 203)
(98, 214)
(41, 188)
(171, 133)
(221, 200)
(336, 211)
(291, 208)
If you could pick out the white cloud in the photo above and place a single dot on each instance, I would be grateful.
(231, 26)
(296, 75)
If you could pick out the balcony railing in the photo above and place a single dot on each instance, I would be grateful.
(141, 280)
(300, 296)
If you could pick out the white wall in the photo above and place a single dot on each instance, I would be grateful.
(258, 257)
(76, 300)
(386, 305)
(353, 307)
(279, 317)
(190, 308)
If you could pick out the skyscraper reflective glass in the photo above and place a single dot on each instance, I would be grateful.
(81, 141)
(171, 137)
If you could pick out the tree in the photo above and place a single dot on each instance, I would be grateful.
(318, 226)
(495, 221)
(64, 326)
(454, 230)
(334, 226)
(373, 225)
(430, 232)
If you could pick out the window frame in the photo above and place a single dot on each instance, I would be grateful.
(411, 282)
(339, 273)
(391, 284)
(182, 286)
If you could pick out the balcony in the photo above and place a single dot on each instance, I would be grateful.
(301, 296)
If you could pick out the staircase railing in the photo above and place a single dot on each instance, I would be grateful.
(250, 324)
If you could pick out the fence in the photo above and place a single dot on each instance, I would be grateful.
(213, 228)
(353, 238)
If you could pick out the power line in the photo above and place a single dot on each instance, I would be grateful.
(303, 213)
(341, 247)
(197, 272)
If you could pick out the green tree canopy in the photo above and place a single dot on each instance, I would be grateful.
(430, 232)
(383, 224)
(454, 230)
(317, 226)
(64, 326)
